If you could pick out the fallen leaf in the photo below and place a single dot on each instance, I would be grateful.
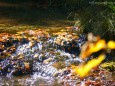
(27, 65)
(84, 70)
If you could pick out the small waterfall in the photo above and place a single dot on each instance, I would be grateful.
(36, 58)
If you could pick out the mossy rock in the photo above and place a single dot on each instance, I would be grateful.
(59, 65)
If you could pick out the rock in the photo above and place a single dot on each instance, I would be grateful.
(47, 60)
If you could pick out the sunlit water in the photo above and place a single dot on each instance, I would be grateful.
(43, 73)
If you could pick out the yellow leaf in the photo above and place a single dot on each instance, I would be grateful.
(101, 44)
(27, 65)
(84, 70)
(111, 44)
(91, 48)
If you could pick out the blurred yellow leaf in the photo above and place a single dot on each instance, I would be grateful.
(111, 44)
(90, 47)
(85, 69)
(85, 51)
(101, 44)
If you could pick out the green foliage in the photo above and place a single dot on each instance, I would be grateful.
(99, 19)
(109, 65)
(95, 16)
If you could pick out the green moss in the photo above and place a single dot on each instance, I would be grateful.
(109, 65)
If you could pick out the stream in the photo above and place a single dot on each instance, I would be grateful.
(41, 61)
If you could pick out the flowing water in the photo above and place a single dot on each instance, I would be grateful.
(42, 70)
(42, 57)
